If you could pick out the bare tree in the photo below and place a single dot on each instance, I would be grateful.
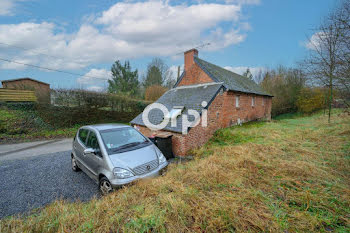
(322, 64)
(158, 73)
(342, 19)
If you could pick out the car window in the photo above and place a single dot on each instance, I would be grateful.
(92, 141)
(117, 138)
(83, 133)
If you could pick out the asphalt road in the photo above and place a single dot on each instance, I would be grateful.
(31, 149)
(32, 182)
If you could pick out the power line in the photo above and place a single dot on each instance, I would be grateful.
(62, 71)
(39, 53)
(51, 69)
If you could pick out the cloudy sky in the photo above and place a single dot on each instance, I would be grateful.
(84, 37)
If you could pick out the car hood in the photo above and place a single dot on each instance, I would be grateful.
(133, 158)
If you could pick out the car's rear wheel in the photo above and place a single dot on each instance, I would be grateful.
(75, 165)
(105, 186)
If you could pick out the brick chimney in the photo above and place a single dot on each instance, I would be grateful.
(189, 58)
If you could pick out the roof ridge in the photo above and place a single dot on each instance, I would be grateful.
(231, 80)
(226, 70)
(24, 78)
(197, 85)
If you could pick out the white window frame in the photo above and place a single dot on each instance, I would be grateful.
(253, 101)
(237, 101)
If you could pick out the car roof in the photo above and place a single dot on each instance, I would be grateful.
(101, 127)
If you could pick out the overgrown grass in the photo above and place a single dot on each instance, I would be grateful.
(290, 175)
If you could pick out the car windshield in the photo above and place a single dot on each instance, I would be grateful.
(122, 138)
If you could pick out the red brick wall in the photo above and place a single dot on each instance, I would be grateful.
(178, 140)
(189, 58)
(245, 112)
(193, 73)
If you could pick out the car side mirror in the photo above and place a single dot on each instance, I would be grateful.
(89, 151)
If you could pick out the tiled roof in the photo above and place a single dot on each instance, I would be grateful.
(231, 80)
(190, 97)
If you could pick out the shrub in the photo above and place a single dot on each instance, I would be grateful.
(311, 100)
(153, 92)
(97, 100)
(71, 107)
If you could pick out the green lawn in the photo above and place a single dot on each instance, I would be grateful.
(288, 175)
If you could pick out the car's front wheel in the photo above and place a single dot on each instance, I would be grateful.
(105, 186)
(74, 164)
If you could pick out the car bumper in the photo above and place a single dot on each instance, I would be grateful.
(116, 183)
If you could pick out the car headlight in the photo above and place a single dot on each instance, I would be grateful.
(161, 157)
(121, 173)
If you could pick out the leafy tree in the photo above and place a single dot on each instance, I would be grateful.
(311, 99)
(154, 76)
(124, 80)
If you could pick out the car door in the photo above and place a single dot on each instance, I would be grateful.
(93, 160)
(80, 145)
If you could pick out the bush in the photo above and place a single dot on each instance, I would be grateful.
(311, 100)
(97, 100)
(153, 92)
(72, 107)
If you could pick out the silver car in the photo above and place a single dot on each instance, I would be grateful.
(114, 155)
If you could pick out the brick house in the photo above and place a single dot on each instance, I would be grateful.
(231, 99)
(41, 89)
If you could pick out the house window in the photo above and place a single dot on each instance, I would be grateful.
(237, 101)
(253, 101)
(263, 101)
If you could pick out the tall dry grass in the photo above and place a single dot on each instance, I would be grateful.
(288, 175)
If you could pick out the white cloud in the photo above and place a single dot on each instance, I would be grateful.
(241, 69)
(95, 88)
(315, 41)
(95, 76)
(95, 79)
(174, 69)
(128, 30)
(6, 7)
(248, 2)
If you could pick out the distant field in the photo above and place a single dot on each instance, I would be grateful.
(288, 175)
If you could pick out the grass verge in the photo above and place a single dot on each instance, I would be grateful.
(288, 175)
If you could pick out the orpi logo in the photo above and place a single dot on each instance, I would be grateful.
(173, 117)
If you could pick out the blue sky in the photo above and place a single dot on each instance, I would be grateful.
(86, 36)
